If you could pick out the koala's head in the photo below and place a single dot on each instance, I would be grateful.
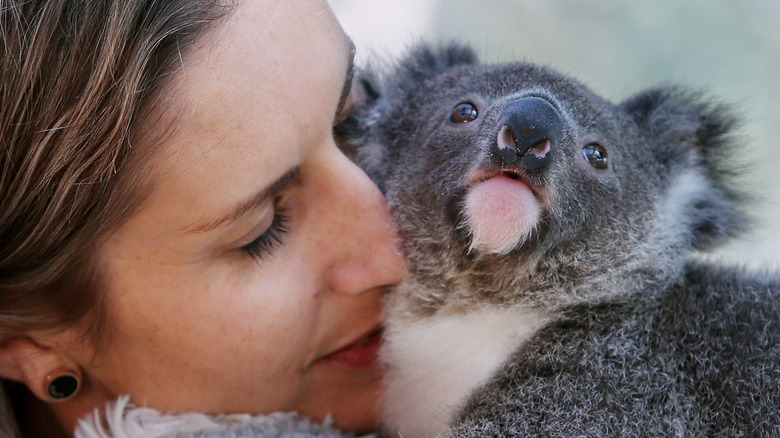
(513, 182)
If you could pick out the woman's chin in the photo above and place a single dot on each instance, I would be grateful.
(350, 387)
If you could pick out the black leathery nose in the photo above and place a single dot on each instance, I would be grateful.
(534, 127)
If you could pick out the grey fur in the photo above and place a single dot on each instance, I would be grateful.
(641, 340)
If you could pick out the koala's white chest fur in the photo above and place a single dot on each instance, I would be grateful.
(437, 362)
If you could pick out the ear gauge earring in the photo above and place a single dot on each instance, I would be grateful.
(61, 385)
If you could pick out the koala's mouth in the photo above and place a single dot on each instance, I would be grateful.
(515, 176)
(501, 208)
(481, 175)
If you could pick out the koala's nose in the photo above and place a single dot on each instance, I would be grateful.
(532, 128)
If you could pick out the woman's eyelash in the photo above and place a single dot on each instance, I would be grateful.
(267, 242)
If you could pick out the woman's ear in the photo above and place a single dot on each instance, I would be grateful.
(48, 374)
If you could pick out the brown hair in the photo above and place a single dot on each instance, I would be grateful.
(76, 78)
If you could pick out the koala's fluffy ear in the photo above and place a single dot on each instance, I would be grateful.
(425, 60)
(692, 136)
(421, 61)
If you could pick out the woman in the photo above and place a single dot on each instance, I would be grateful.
(178, 223)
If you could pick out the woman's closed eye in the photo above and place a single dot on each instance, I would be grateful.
(273, 237)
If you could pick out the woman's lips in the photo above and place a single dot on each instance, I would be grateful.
(359, 354)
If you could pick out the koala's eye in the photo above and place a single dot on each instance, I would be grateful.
(596, 155)
(463, 113)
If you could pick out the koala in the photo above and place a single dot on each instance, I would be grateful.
(552, 288)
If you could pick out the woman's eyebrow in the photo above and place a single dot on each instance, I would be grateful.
(242, 208)
(345, 89)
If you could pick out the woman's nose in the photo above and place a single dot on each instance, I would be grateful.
(363, 245)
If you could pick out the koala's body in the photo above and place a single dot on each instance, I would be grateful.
(548, 231)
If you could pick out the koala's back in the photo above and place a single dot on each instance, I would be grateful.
(701, 359)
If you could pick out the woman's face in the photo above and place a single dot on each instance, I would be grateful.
(250, 278)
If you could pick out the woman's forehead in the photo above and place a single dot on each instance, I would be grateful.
(248, 102)
(279, 50)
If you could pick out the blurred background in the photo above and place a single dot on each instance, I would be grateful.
(731, 49)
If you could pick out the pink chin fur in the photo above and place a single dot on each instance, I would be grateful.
(501, 212)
